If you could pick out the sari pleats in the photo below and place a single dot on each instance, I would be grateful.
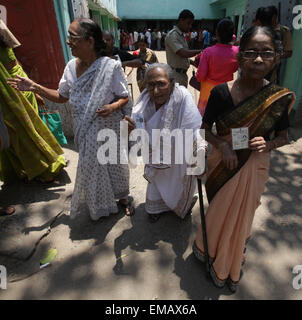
(235, 195)
(230, 215)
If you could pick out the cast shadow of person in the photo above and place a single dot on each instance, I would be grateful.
(81, 227)
(144, 235)
(23, 193)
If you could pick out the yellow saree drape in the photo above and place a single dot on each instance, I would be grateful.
(34, 152)
(30, 96)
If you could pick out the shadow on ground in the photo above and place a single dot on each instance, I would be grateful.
(276, 243)
(109, 255)
(77, 278)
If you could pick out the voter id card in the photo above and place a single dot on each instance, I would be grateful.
(240, 138)
(139, 120)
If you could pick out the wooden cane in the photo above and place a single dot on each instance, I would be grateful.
(203, 225)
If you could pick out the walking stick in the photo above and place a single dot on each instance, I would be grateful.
(203, 226)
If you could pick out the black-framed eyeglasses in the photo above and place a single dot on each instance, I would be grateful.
(72, 38)
(265, 55)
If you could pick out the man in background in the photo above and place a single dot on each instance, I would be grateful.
(149, 37)
(177, 50)
(284, 32)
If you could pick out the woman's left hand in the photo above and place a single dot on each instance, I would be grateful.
(106, 110)
(259, 144)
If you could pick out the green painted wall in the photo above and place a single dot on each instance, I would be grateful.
(63, 18)
(293, 72)
(230, 8)
(163, 9)
(106, 23)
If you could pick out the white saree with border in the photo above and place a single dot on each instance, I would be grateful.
(169, 187)
(98, 186)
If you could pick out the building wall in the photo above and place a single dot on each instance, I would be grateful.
(104, 13)
(284, 5)
(64, 20)
(231, 8)
(80, 8)
(110, 5)
(293, 71)
(41, 53)
(163, 9)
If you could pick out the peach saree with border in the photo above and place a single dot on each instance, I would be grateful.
(235, 195)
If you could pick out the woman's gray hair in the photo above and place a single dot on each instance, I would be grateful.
(92, 29)
(164, 66)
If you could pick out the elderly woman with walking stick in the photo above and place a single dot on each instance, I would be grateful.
(251, 116)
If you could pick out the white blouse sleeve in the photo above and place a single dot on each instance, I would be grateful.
(68, 78)
(119, 85)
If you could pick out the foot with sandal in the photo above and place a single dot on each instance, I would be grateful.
(155, 216)
(7, 211)
(128, 206)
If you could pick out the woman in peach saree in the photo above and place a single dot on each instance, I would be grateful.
(236, 179)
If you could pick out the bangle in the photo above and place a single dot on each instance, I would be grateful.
(36, 88)
(274, 145)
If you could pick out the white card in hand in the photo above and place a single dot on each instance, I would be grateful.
(139, 120)
(240, 138)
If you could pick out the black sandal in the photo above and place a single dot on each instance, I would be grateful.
(153, 217)
(129, 205)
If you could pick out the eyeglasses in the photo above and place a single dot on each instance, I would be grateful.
(159, 85)
(265, 55)
(72, 38)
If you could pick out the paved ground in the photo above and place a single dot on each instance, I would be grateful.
(130, 258)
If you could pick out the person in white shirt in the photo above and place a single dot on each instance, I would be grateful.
(148, 35)
(158, 40)
(135, 39)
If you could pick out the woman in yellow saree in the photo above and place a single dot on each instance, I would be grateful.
(236, 179)
(34, 152)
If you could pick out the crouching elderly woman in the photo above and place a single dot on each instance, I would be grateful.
(96, 88)
(166, 105)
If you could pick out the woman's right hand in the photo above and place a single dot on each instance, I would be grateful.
(21, 83)
(229, 156)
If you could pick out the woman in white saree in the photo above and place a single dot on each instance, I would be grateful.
(169, 106)
(96, 88)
